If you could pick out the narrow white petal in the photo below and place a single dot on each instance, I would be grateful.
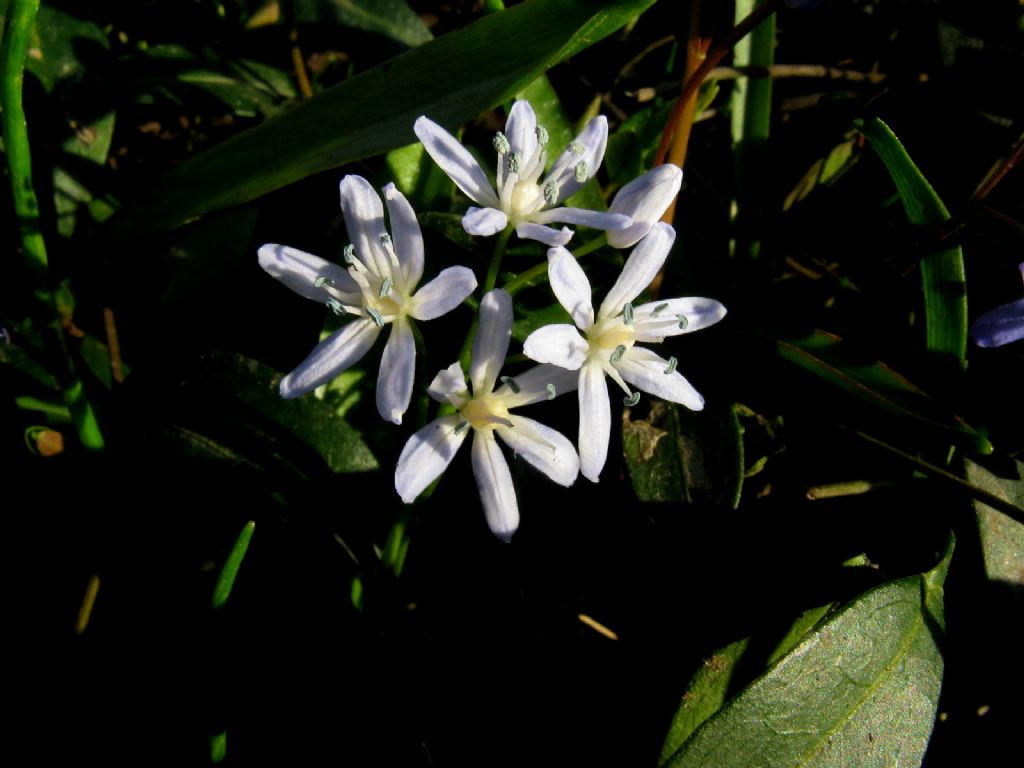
(408, 239)
(300, 271)
(645, 370)
(644, 200)
(999, 326)
(543, 448)
(559, 344)
(592, 140)
(342, 349)
(571, 286)
(364, 222)
(449, 385)
(426, 455)
(494, 481)
(456, 161)
(521, 130)
(658, 319)
(593, 219)
(397, 371)
(484, 222)
(533, 385)
(639, 270)
(443, 294)
(491, 343)
(547, 235)
(595, 420)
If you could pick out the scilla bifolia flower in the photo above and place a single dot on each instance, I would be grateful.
(644, 200)
(379, 288)
(608, 343)
(486, 412)
(1001, 325)
(521, 199)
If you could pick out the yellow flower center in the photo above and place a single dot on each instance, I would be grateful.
(485, 412)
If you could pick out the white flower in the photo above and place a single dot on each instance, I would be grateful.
(488, 412)
(608, 345)
(378, 288)
(520, 199)
(644, 200)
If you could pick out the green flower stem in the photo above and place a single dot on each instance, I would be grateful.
(540, 272)
(17, 32)
(489, 281)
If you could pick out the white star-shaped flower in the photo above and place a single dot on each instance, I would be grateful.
(608, 344)
(644, 200)
(487, 412)
(520, 198)
(378, 288)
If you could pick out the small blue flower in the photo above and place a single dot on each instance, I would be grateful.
(1001, 325)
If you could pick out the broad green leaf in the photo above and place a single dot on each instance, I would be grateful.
(390, 18)
(942, 273)
(530, 320)
(1002, 538)
(417, 176)
(861, 689)
(452, 79)
(826, 355)
(229, 571)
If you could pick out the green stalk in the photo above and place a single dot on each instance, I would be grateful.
(17, 33)
(489, 281)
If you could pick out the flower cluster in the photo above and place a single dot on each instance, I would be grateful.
(378, 287)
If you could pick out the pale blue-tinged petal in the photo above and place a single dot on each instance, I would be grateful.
(1000, 325)
(521, 130)
(547, 235)
(456, 161)
(644, 200)
(671, 317)
(571, 287)
(342, 349)
(427, 454)
(491, 343)
(494, 481)
(639, 270)
(443, 294)
(595, 420)
(397, 371)
(364, 222)
(646, 371)
(449, 386)
(300, 271)
(543, 448)
(591, 142)
(484, 222)
(557, 344)
(407, 237)
(535, 385)
(593, 219)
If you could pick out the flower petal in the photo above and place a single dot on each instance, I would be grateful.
(592, 142)
(646, 371)
(644, 200)
(639, 270)
(1000, 325)
(521, 130)
(494, 481)
(364, 222)
(397, 371)
(546, 235)
(533, 385)
(300, 271)
(449, 385)
(543, 448)
(595, 420)
(443, 294)
(484, 222)
(408, 238)
(571, 287)
(658, 319)
(456, 161)
(427, 454)
(491, 343)
(558, 344)
(583, 217)
(342, 349)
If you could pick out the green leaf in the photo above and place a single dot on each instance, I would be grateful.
(218, 747)
(1002, 538)
(942, 273)
(861, 689)
(391, 18)
(828, 356)
(452, 79)
(229, 571)
(417, 176)
(58, 46)
(530, 320)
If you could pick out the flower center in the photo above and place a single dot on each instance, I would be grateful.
(608, 335)
(486, 413)
(527, 197)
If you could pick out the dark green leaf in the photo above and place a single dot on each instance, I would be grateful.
(530, 320)
(452, 79)
(1002, 538)
(61, 42)
(390, 18)
(861, 689)
(229, 571)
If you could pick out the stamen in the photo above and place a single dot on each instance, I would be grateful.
(320, 282)
(501, 145)
(542, 135)
(672, 363)
(511, 384)
(576, 148)
(658, 309)
(683, 322)
(581, 171)
(551, 391)
(513, 162)
(385, 241)
(336, 307)
(627, 313)
(376, 316)
(550, 192)
(631, 400)
(617, 354)
(350, 254)
(461, 427)
(385, 287)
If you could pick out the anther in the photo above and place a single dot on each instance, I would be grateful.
(617, 354)
(631, 400)
(672, 363)
(542, 135)
(350, 254)
(551, 391)
(501, 145)
(336, 307)
(581, 171)
(376, 316)
(385, 287)
(320, 282)
(385, 241)
(461, 427)
(627, 313)
(659, 309)
(510, 383)
(683, 322)
(550, 192)
(513, 162)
